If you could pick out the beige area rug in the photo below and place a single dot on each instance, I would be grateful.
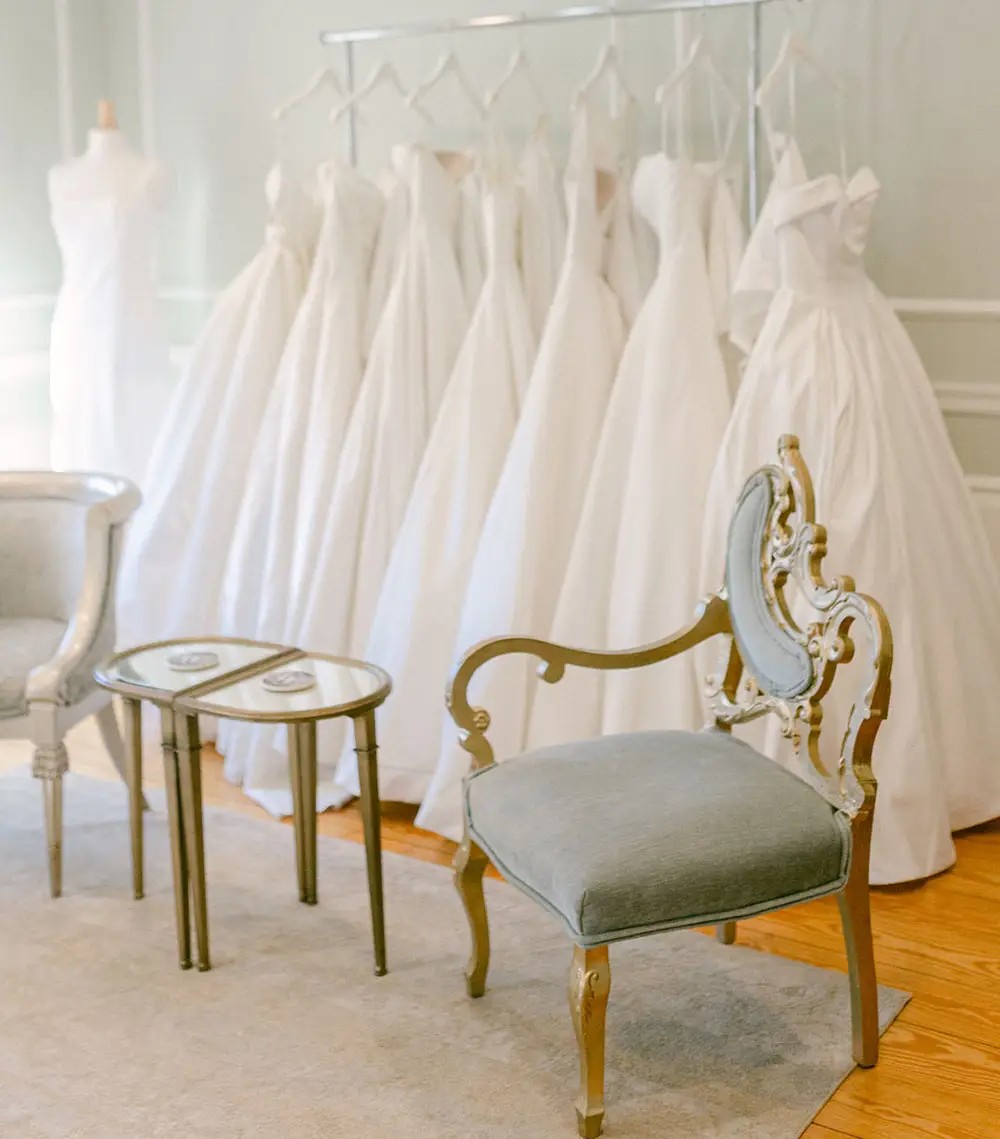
(292, 1037)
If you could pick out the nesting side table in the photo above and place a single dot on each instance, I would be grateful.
(258, 682)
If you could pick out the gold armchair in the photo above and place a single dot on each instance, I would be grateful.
(634, 834)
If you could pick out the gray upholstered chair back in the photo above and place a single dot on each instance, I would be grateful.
(791, 629)
(779, 662)
(54, 529)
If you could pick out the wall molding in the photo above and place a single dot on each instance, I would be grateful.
(958, 397)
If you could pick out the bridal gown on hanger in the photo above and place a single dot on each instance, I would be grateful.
(175, 549)
(633, 572)
(414, 349)
(416, 618)
(833, 365)
(526, 537)
(109, 370)
(314, 387)
(543, 228)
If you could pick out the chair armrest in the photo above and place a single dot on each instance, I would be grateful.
(712, 619)
(94, 606)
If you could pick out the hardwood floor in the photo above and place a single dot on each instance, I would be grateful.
(939, 1072)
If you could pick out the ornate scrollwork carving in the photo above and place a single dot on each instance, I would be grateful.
(50, 762)
(794, 548)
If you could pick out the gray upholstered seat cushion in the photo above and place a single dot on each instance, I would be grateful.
(631, 834)
(25, 643)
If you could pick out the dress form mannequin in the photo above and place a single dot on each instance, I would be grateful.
(109, 370)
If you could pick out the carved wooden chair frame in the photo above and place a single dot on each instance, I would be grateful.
(793, 549)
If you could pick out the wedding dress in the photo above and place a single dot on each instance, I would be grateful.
(414, 349)
(543, 229)
(833, 365)
(310, 404)
(109, 370)
(175, 549)
(633, 573)
(528, 530)
(414, 626)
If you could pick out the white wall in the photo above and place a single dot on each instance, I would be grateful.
(922, 108)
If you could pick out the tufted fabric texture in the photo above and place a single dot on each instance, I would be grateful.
(631, 834)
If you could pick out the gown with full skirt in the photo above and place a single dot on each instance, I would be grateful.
(414, 349)
(309, 406)
(834, 366)
(176, 546)
(543, 229)
(633, 573)
(415, 623)
(529, 527)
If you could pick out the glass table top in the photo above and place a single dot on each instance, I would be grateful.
(178, 665)
(294, 689)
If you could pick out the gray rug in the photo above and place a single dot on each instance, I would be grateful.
(291, 1037)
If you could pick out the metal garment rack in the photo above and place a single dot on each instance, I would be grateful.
(348, 38)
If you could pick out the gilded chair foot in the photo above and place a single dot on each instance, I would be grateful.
(186, 964)
(204, 967)
(380, 970)
(138, 895)
(589, 1126)
(725, 933)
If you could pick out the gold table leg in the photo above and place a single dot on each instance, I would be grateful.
(178, 853)
(133, 757)
(295, 774)
(302, 763)
(189, 762)
(309, 777)
(371, 814)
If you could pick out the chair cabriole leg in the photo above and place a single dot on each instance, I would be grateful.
(589, 986)
(469, 867)
(856, 917)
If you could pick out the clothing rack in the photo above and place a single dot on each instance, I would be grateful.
(348, 38)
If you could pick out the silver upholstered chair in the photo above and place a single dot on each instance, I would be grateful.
(633, 834)
(60, 540)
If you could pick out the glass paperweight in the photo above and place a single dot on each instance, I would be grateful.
(288, 680)
(192, 660)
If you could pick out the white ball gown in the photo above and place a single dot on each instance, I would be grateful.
(415, 622)
(176, 547)
(517, 571)
(414, 349)
(634, 568)
(310, 403)
(109, 370)
(834, 366)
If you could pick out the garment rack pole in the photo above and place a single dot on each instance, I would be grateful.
(352, 36)
(753, 117)
(524, 19)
